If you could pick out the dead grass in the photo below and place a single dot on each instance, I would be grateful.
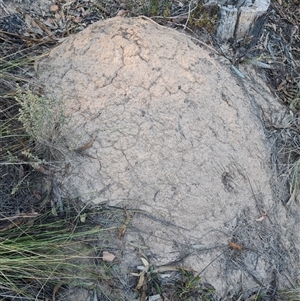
(290, 295)
(47, 242)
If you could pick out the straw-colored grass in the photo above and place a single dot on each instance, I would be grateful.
(39, 249)
(292, 294)
(44, 251)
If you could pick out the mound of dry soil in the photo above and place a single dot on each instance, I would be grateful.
(158, 124)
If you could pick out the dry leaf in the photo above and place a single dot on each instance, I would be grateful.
(108, 256)
(262, 217)
(57, 16)
(135, 274)
(121, 231)
(234, 245)
(123, 228)
(53, 8)
(122, 13)
(252, 298)
(171, 268)
(141, 281)
(20, 215)
(48, 22)
(77, 19)
(143, 295)
(145, 262)
(155, 298)
(142, 286)
(56, 288)
(163, 276)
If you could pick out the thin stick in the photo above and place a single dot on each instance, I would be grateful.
(3, 7)
(210, 263)
(189, 14)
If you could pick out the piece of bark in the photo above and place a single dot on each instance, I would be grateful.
(237, 20)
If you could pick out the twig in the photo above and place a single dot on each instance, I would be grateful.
(4, 7)
(189, 14)
(210, 263)
(188, 18)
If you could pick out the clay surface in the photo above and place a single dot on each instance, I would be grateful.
(160, 125)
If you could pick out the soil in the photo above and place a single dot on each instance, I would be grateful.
(163, 128)
(166, 129)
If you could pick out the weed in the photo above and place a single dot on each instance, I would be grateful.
(153, 7)
(149, 8)
(204, 17)
(157, 8)
(40, 116)
(190, 287)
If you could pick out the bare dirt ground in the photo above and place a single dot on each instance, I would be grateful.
(162, 127)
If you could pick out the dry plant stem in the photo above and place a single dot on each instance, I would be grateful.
(189, 14)
(31, 163)
(4, 7)
(198, 274)
(179, 17)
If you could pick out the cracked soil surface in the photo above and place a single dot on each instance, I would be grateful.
(175, 134)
